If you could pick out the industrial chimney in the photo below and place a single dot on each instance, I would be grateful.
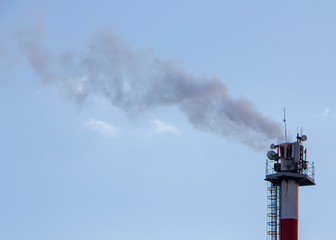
(286, 172)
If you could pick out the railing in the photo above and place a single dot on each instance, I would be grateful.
(269, 169)
(309, 169)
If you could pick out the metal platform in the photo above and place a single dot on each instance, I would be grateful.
(302, 179)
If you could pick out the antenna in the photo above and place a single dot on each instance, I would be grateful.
(285, 124)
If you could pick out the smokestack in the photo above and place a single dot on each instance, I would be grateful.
(137, 82)
(289, 171)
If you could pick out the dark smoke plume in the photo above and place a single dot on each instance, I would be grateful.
(138, 81)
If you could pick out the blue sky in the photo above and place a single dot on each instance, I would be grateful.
(89, 170)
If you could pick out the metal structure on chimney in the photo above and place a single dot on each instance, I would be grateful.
(287, 169)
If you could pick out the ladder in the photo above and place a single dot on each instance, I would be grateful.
(273, 212)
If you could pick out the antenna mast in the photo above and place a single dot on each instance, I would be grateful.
(285, 124)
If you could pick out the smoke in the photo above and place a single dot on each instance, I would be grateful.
(137, 82)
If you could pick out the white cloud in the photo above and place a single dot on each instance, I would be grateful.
(326, 112)
(102, 127)
(161, 127)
